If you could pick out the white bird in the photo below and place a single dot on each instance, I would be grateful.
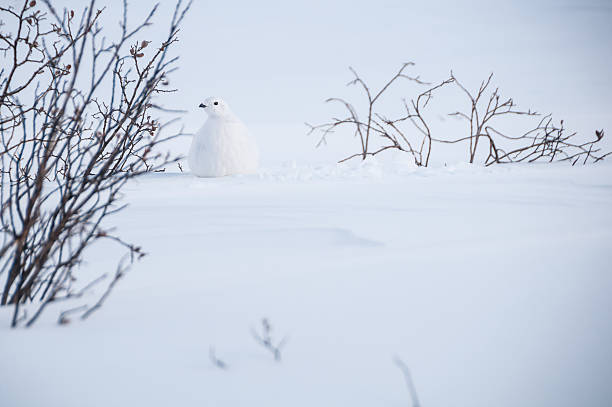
(223, 146)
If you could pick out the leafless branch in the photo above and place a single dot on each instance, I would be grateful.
(122, 268)
(215, 360)
(264, 338)
(71, 137)
(63, 316)
(409, 383)
(546, 141)
(374, 124)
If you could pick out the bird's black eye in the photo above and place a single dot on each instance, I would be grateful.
(216, 103)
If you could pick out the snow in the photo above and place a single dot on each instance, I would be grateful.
(492, 284)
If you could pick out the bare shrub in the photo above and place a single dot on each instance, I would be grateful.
(215, 360)
(374, 124)
(265, 339)
(77, 121)
(409, 382)
(544, 141)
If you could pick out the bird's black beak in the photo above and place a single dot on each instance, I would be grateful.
(202, 105)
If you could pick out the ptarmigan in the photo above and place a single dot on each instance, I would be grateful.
(223, 146)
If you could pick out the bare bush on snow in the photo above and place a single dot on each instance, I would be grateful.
(77, 121)
(545, 140)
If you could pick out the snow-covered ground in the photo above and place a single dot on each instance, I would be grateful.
(492, 284)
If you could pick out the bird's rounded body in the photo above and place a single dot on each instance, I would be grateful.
(223, 146)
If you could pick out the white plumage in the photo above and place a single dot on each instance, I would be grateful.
(223, 146)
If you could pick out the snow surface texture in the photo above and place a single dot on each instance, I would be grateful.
(223, 146)
(492, 284)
